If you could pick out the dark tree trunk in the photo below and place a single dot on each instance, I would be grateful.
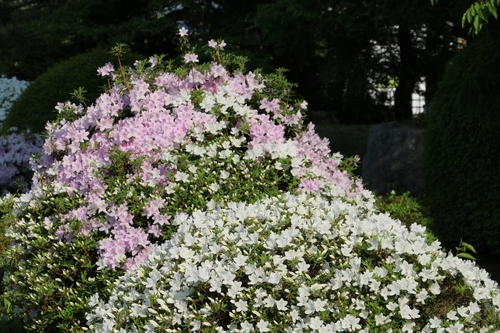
(407, 77)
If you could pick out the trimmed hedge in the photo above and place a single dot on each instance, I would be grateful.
(36, 106)
(461, 160)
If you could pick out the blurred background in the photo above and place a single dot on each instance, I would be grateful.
(354, 61)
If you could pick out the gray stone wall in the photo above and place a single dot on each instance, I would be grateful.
(393, 158)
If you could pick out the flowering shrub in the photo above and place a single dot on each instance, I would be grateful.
(10, 90)
(193, 196)
(16, 150)
(298, 263)
(161, 142)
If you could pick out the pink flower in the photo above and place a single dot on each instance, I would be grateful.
(212, 44)
(153, 61)
(106, 69)
(190, 57)
(183, 32)
(221, 45)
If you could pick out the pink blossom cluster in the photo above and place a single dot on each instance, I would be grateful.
(148, 123)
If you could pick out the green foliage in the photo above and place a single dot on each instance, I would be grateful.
(36, 106)
(478, 13)
(406, 209)
(37, 34)
(58, 275)
(462, 250)
(461, 174)
(9, 323)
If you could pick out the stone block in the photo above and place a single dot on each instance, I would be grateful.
(393, 158)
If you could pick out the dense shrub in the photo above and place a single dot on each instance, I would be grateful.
(16, 150)
(196, 198)
(298, 264)
(36, 105)
(462, 177)
(406, 209)
(10, 90)
(158, 143)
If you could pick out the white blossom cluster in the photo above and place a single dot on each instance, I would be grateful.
(298, 263)
(10, 90)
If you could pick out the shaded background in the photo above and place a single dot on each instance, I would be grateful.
(338, 51)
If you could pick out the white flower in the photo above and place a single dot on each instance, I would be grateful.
(246, 327)
(435, 289)
(350, 322)
(214, 187)
(435, 322)
(274, 278)
(408, 327)
(315, 323)
(281, 304)
(269, 301)
(192, 169)
(240, 260)
(380, 319)
(224, 174)
(391, 306)
(452, 315)
(241, 305)
(181, 177)
(262, 325)
(407, 313)
(474, 308)
(455, 328)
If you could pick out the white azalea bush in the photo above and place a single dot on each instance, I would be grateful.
(10, 90)
(195, 197)
(298, 263)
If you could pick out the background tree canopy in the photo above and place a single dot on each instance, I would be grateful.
(337, 51)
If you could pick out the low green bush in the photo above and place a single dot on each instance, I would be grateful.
(406, 209)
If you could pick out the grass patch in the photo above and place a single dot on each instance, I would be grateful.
(349, 140)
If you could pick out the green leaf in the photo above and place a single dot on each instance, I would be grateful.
(466, 256)
(470, 247)
(477, 25)
(477, 7)
(472, 10)
(481, 16)
(493, 11)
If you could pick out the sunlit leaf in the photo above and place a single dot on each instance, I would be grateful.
(466, 256)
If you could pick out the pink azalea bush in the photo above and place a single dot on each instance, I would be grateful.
(191, 197)
(161, 142)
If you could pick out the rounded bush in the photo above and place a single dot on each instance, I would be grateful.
(113, 175)
(298, 264)
(208, 182)
(462, 178)
(35, 107)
